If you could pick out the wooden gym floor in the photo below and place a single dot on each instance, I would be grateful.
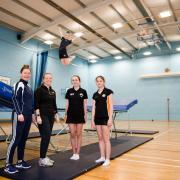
(158, 159)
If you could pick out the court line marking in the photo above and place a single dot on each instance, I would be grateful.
(151, 157)
(161, 134)
(145, 162)
(158, 149)
(166, 143)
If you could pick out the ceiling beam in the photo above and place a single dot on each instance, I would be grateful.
(95, 54)
(120, 35)
(62, 10)
(10, 26)
(97, 41)
(18, 17)
(96, 16)
(31, 9)
(146, 12)
(172, 10)
(106, 24)
(28, 22)
(101, 20)
(131, 45)
(102, 49)
(92, 7)
(121, 16)
(135, 20)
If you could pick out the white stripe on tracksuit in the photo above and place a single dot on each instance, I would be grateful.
(13, 139)
(19, 85)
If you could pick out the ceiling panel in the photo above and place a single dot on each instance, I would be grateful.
(14, 22)
(97, 51)
(19, 10)
(69, 5)
(42, 7)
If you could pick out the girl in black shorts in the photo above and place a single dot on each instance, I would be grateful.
(76, 111)
(66, 40)
(102, 111)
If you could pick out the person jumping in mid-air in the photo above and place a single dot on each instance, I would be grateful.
(66, 40)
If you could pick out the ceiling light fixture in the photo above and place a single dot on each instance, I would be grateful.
(147, 53)
(117, 57)
(117, 25)
(165, 14)
(78, 34)
(48, 42)
(93, 61)
(178, 49)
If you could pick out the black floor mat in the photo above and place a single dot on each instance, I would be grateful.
(65, 168)
(34, 134)
(145, 132)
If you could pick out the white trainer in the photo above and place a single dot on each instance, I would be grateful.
(75, 157)
(45, 162)
(52, 161)
(101, 159)
(106, 162)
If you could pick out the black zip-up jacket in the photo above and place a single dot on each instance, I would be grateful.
(45, 100)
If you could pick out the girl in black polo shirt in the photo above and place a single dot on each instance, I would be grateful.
(46, 112)
(76, 110)
(102, 111)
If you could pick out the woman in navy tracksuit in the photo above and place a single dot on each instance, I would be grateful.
(23, 105)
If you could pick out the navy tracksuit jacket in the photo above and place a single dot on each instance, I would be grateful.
(23, 104)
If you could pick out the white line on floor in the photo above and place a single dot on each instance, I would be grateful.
(146, 162)
(151, 157)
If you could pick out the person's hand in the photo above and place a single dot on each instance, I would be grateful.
(65, 118)
(39, 120)
(56, 116)
(109, 123)
(34, 119)
(21, 118)
(92, 124)
(85, 118)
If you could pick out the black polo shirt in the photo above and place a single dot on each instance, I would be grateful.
(76, 102)
(101, 110)
(45, 100)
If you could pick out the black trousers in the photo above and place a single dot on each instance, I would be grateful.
(20, 133)
(45, 130)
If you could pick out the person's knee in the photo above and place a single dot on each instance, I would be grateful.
(100, 137)
(73, 134)
(79, 134)
(106, 140)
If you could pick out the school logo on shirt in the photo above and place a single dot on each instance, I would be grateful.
(81, 94)
(104, 95)
(71, 94)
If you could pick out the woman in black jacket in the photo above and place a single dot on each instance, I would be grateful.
(46, 113)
